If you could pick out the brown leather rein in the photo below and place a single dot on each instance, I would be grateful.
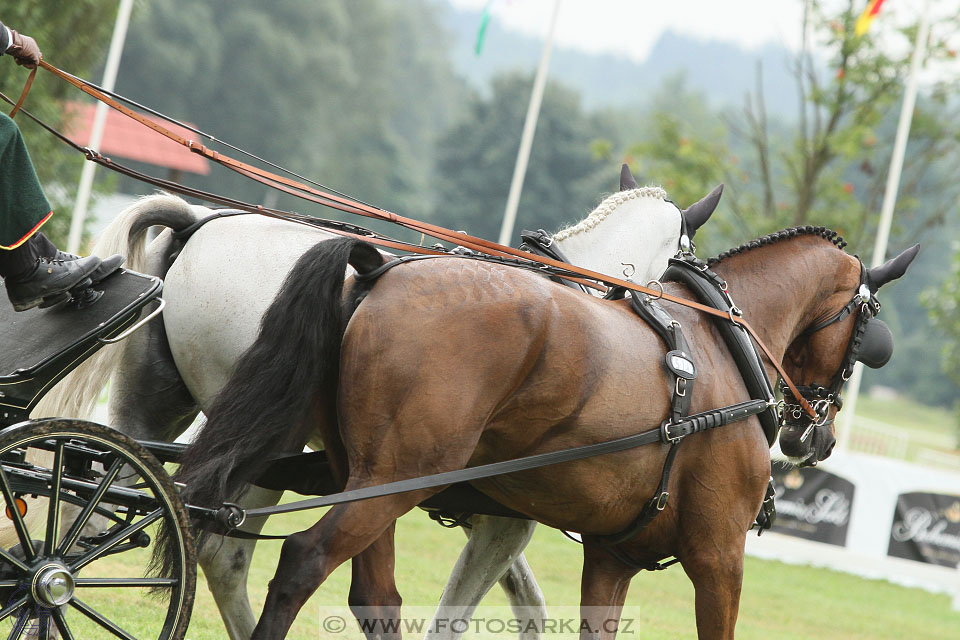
(346, 204)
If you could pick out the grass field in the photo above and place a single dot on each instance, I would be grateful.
(909, 415)
(779, 600)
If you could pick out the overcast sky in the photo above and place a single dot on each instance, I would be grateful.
(631, 27)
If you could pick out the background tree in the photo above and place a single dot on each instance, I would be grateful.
(565, 178)
(73, 34)
(830, 168)
(292, 83)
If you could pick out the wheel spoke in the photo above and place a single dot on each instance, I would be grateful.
(18, 627)
(53, 510)
(62, 626)
(22, 533)
(13, 606)
(45, 625)
(109, 625)
(17, 562)
(114, 540)
(74, 532)
(127, 582)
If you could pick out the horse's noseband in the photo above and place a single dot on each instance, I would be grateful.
(875, 342)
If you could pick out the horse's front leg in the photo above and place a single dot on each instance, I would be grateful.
(494, 551)
(717, 577)
(603, 590)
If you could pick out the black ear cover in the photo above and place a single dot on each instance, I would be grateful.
(877, 344)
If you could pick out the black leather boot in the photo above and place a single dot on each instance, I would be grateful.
(107, 265)
(49, 278)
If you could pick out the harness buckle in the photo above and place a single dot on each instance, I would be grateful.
(680, 389)
(665, 435)
(661, 503)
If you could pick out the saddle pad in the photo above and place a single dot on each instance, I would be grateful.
(29, 340)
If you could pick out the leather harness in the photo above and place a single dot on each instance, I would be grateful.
(335, 200)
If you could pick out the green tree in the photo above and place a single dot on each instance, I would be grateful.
(829, 169)
(826, 168)
(476, 157)
(944, 305)
(353, 92)
(72, 35)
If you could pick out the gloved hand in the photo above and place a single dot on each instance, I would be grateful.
(24, 50)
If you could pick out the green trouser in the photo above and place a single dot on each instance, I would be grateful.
(23, 207)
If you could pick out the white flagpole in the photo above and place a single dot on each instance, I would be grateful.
(99, 120)
(890, 199)
(526, 139)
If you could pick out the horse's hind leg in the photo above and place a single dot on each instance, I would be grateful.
(308, 557)
(493, 552)
(226, 562)
(149, 401)
(373, 590)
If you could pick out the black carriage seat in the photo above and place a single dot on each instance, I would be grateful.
(40, 346)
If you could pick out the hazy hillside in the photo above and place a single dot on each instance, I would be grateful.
(721, 71)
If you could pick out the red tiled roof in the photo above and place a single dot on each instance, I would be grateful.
(124, 137)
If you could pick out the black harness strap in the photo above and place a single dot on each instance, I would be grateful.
(678, 359)
(692, 424)
(710, 289)
(540, 243)
(680, 364)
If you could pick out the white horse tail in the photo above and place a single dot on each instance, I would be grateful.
(76, 395)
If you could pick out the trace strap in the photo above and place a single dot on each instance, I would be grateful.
(346, 204)
(692, 424)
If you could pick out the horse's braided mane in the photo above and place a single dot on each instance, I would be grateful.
(793, 232)
(608, 206)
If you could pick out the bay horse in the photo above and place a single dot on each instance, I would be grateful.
(232, 268)
(451, 363)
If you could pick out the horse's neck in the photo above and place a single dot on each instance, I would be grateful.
(783, 287)
(635, 246)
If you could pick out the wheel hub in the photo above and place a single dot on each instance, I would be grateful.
(53, 585)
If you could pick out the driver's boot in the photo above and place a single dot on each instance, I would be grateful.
(107, 265)
(49, 278)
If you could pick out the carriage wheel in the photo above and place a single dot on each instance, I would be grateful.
(83, 504)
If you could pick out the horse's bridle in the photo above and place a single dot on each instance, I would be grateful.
(821, 398)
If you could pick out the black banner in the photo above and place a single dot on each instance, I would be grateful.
(926, 527)
(812, 503)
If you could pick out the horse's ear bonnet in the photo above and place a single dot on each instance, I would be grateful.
(877, 345)
(627, 180)
(891, 269)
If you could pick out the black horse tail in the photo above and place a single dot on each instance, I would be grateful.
(290, 373)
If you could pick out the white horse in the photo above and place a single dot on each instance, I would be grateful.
(218, 283)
